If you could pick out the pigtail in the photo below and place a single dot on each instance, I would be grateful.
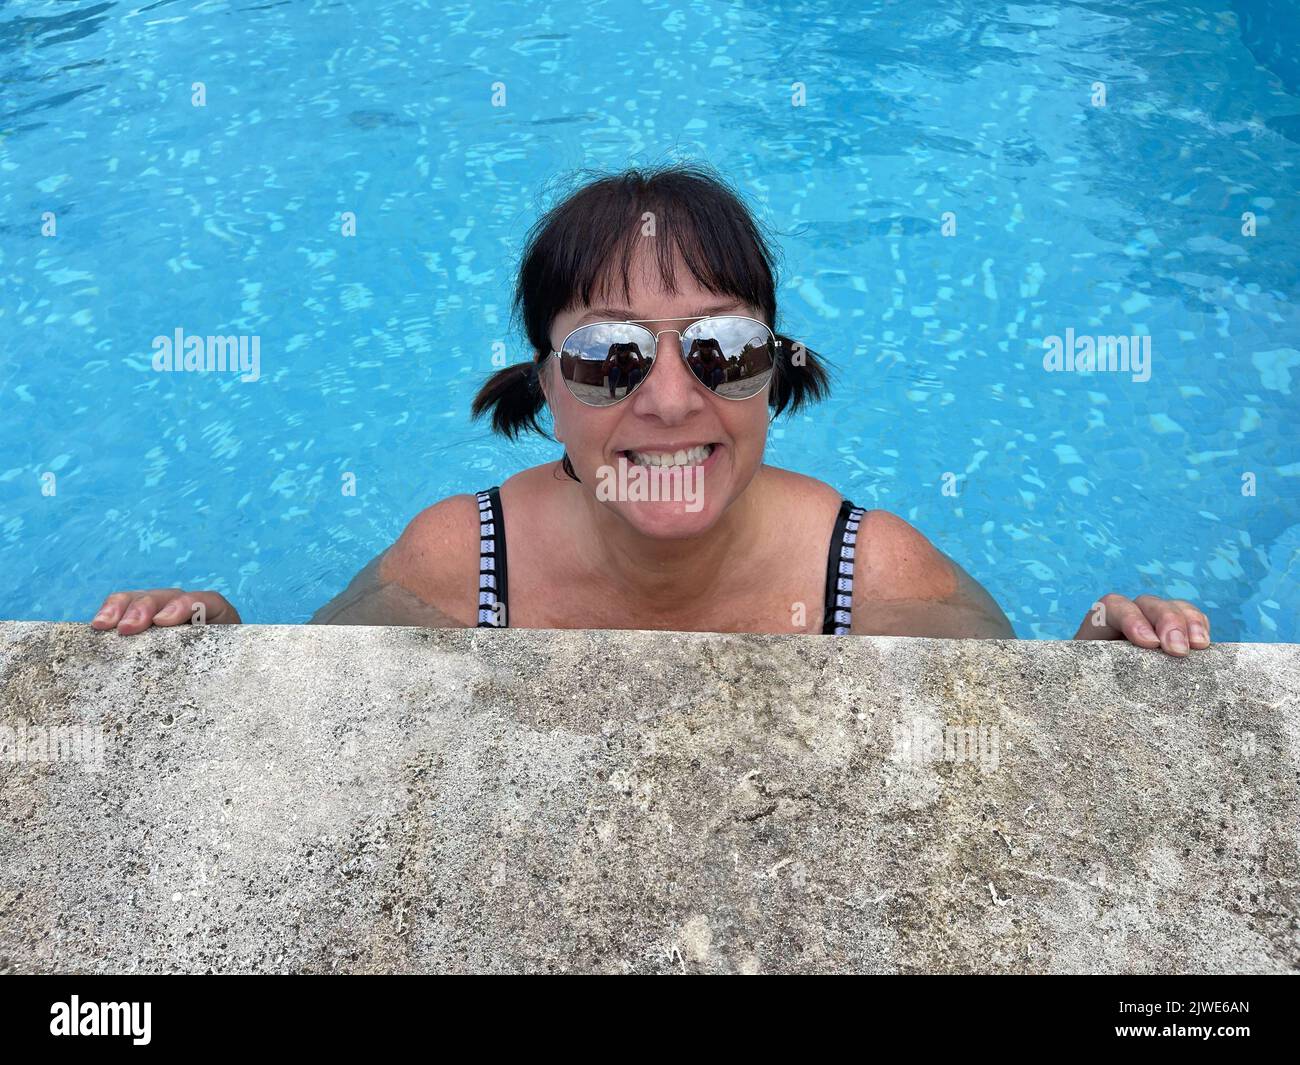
(801, 377)
(514, 398)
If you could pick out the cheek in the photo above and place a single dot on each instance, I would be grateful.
(559, 420)
(747, 425)
(560, 404)
(583, 431)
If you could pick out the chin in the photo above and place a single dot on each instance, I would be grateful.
(669, 520)
(687, 503)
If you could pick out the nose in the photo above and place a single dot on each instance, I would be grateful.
(670, 393)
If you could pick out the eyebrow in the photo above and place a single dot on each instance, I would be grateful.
(620, 314)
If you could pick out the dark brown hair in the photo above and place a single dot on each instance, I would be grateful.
(589, 240)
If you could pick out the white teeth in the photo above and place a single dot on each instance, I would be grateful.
(689, 457)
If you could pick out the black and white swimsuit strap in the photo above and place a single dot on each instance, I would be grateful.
(837, 613)
(491, 561)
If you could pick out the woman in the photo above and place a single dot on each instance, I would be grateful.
(662, 514)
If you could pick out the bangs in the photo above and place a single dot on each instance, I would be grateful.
(586, 250)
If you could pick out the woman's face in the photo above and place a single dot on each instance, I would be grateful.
(669, 412)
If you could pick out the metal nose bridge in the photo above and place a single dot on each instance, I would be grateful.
(645, 321)
(655, 350)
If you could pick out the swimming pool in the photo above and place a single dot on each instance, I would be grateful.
(1122, 219)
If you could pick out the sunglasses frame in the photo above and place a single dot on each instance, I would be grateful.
(655, 356)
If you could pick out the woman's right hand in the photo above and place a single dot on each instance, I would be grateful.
(132, 612)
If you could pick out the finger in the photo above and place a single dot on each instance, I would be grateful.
(1168, 622)
(178, 612)
(111, 610)
(144, 605)
(1119, 619)
(219, 611)
(1198, 625)
(1129, 618)
(185, 610)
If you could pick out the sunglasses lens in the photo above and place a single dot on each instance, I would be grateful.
(602, 363)
(731, 356)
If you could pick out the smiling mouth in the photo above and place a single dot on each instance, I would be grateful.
(691, 456)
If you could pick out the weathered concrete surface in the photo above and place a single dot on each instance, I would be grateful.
(356, 799)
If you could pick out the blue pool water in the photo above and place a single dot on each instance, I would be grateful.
(1123, 219)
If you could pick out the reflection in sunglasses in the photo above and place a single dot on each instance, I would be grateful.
(604, 362)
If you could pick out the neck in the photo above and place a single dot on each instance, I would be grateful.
(670, 580)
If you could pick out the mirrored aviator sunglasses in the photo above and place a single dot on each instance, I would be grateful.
(603, 363)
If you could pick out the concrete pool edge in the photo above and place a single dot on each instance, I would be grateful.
(330, 799)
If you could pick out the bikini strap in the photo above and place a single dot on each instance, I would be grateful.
(491, 561)
(837, 614)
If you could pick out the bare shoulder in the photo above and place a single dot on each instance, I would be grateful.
(436, 557)
(900, 562)
(905, 586)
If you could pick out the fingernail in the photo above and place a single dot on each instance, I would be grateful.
(1199, 635)
(1177, 641)
(170, 610)
(1147, 632)
(102, 616)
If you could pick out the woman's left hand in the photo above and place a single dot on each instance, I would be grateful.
(1173, 625)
